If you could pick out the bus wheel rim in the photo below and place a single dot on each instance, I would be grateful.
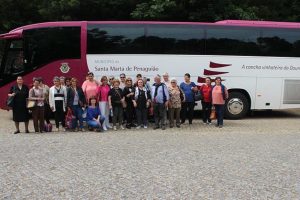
(235, 106)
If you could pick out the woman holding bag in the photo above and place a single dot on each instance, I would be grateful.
(36, 94)
(20, 93)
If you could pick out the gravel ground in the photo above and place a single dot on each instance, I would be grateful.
(254, 158)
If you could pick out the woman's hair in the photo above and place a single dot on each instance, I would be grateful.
(56, 78)
(91, 98)
(74, 79)
(208, 78)
(103, 78)
(188, 75)
(218, 78)
(173, 80)
(116, 81)
(142, 82)
(90, 73)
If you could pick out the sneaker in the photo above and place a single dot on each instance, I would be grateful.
(205, 122)
(109, 127)
(115, 128)
(138, 127)
(163, 128)
(104, 128)
(178, 125)
(208, 123)
(57, 130)
(128, 126)
(122, 127)
(145, 126)
(221, 126)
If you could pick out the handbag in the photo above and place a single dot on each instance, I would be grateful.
(10, 100)
(123, 102)
(213, 114)
(198, 96)
(30, 104)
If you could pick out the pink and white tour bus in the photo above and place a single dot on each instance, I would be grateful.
(258, 60)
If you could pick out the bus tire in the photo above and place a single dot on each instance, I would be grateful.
(236, 106)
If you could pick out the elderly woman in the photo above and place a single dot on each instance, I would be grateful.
(219, 95)
(128, 93)
(37, 94)
(20, 93)
(115, 98)
(176, 99)
(58, 102)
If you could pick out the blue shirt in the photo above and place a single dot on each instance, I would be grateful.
(188, 92)
(92, 113)
(161, 91)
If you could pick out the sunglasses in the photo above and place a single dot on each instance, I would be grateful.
(122, 77)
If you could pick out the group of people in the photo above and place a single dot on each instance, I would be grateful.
(125, 102)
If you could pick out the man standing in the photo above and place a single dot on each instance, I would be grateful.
(160, 99)
(166, 79)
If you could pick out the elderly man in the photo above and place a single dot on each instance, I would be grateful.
(160, 99)
(166, 79)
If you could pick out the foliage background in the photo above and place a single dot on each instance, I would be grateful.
(15, 13)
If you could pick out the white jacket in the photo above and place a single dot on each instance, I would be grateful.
(51, 97)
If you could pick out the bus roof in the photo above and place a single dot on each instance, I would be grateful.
(243, 23)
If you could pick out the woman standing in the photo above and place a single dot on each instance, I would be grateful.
(176, 98)
(141, 102)
(205, 90)
(189, 88)
(20, 94)
(94, 117)
(115, 98)
(103, 91)
(37, 94)
(90, 87)
(76, 101)
(47, 110)
(57, 101)
(219, 95)
(128, 93)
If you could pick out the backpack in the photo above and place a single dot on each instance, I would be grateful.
(70, 120)
(48, 127)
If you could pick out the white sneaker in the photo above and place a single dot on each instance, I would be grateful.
(104, 128)
(145, 127)
(122, 127)
(109, 126)
(138, 127)
(115, 128)
(56, 129)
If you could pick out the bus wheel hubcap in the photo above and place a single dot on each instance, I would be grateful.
(235, 106)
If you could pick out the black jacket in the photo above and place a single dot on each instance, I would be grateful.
(71, 95)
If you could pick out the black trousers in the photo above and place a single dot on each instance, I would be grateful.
(159, 112)
(47, 113)
(59, 113)
(187, 111)
(129, 114)
(206, 111)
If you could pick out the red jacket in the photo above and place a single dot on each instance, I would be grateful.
(206, 93)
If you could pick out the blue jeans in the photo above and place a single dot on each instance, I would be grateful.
(220, 113)
(77, 112)
(95, 124)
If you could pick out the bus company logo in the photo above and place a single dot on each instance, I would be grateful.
(208, 72)
(64, 68)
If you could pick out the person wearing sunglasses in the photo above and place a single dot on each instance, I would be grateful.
(128, 93)
(122, 81)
